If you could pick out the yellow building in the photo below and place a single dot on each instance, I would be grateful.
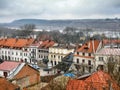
(56, 53)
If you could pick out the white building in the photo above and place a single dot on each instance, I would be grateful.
(105, 54)
(85, 54)
(15, 49)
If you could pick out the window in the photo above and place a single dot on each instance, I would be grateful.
(5, 74)
(55, 62)
(54, 56)
(20, 54)
(58, 56)
(83, 61)
(41, 56)
(77, 53)
(89, 54)
(25, 49)
(83, 54)
(77, 60)
(16, 53)
(100, 58)
(89, 62)
(38, 50)
(51, 56)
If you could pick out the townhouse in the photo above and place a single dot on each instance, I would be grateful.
(57, 53)
(43, 49)
(85, 55)
(105, 55)
(15, 49)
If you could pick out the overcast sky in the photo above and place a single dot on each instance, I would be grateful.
(58, 9)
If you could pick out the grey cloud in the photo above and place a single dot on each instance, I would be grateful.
(58, 8)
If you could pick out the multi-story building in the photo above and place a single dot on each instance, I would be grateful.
(105, 55)
(15, 49)
(43, 49)
(85, 54)
(56, 53)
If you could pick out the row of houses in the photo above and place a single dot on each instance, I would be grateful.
(92, 53)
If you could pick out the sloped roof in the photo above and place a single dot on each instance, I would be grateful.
(26, 71)
(6, 85)
(2, 41)
(98, 81)
(89, 47)
(10, 42)
(109, 51)
(8, 65)
(47, 44)
(14, 42)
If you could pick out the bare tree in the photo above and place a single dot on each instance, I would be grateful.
(26, 30)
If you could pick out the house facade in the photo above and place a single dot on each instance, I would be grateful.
(43, 49)
(105, 55)
(57, 53)
(85, 55)
(15, 49)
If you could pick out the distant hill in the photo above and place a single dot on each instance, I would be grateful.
(98, 24)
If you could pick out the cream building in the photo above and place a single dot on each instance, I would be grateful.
(56, 53)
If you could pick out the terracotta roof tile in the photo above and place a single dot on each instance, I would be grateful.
(89, 47)
(10, 42)
(98, 81)
(47, 44)
(6, 85)
(13, 42)
(26, 71)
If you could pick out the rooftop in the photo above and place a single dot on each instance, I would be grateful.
(90, 46)
(97, 81)
(6, 85)
(8, 65)
(109, 51)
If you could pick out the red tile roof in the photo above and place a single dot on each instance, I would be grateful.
(6, 85)
(8, 65)
(26, 71)
(46, 44)
(89, 47)
(16, 43)
(10, 42)
(2, 41)
(98, 81)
